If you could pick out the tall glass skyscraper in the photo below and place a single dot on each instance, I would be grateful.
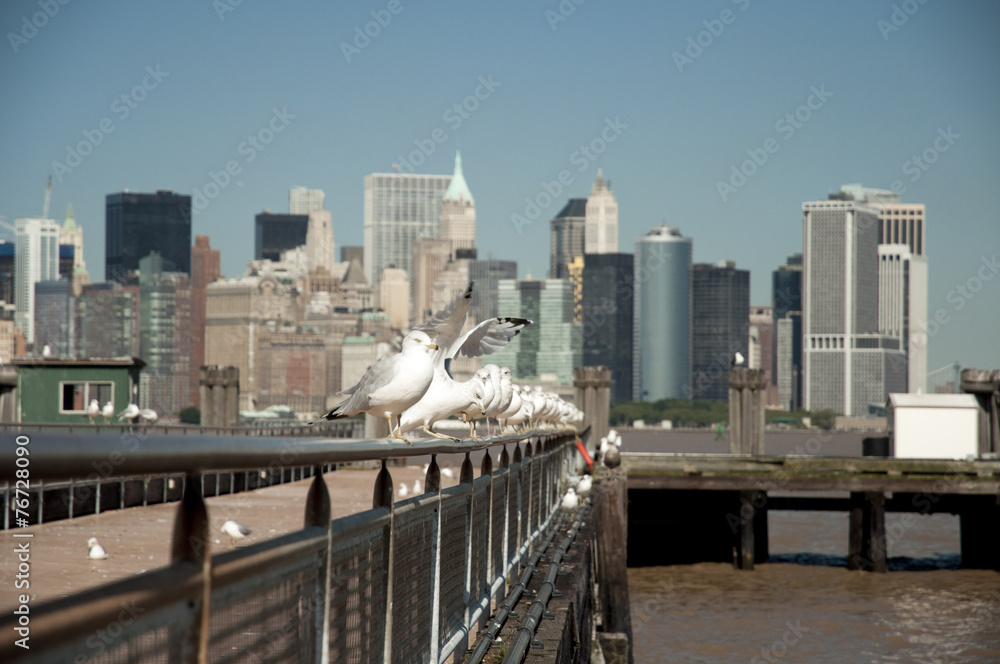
(662, 345)
(608, 313)
(720, 326)
(36, 259)
(137, 224)
(399, 210)
(567, 231)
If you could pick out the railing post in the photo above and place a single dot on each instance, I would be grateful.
(465, 477)
(191, 543)
(433, 483)
(486, 470)
(318, 515)
(383, 497)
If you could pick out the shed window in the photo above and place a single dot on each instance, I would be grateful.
(74, 397)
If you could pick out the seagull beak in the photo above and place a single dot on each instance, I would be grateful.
(433, 346)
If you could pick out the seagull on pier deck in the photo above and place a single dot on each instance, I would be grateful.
(236, 531)
(404, 490)
(96, 551)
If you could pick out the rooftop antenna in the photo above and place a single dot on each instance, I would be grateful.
(48, 197)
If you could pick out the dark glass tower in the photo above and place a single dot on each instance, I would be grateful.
(567, 231)
(608, 298)
(720, 326)
(277, 233)
(137, 224)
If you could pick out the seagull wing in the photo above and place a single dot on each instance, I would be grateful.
(446, 325)
(378, 376)
(487, 337)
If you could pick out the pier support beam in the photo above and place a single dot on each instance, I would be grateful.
(866, 539)
(751, 530)
(592, 395)
(980, 532)
(219, 395)
(985, 386)
(609, 495)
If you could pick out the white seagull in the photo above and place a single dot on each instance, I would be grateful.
(93, 410)
(417, 488)
(445, 396)
(404, 490)
(570, 501)
(236, 531)
(130, 413)
(148, 415)
(738, 359)
(97, 551)
(583, 488)
(392, 384)
(108, 411)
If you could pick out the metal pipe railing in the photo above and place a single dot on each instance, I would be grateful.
(521, 497)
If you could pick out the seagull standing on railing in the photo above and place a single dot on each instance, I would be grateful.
(570, 501)
(446, 396)
(93, 410)
(130, 413)
(148, 415)
(392, 384)
(108, 411)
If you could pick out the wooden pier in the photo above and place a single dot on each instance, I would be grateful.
(714, 507)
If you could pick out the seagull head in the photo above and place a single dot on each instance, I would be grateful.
(417, 340)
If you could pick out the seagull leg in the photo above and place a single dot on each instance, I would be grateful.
(441, 435)
(472, 430)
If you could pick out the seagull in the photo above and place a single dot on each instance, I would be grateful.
(513, 408)
(236, 531)
(404, 491)
(148, 415)
(108, 411)
(738, 359)
(448, 472)
(392, 384)
(417, 488)
(612, 458)
(570, 501)
(97, 551)
(583, 488)
(46, 351)
(130, 413)
(445, 396)
(93, 410)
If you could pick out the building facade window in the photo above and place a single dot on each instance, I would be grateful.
(74, 397)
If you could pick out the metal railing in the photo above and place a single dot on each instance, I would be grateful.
(402, 582)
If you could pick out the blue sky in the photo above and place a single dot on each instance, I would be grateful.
(891, 74)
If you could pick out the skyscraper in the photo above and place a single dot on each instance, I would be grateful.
(601, 226)
(552, 347)
(662, 346)
(304, 201)
(848, 365)
(164, 336)
(205, 268)
(72, 235)
(137, 224)
(720, 326)
(36, 259)
(458, 212)
(608, 317)
(567, 231)
(430, 258)
(486, 275)
(399, 210)
(394, 297)
(786, 301)
(275, 233)
(54, 319)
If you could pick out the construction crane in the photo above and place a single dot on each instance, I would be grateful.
(48, 197)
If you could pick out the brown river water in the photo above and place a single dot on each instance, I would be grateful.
(804, 605)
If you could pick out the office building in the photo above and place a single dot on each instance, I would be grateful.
(36, 259)
(720, 325)
(849, 366)
(430, 258)
(205, 269)
(788, 335)
(54, 318)
(601, 220)
(137, 224)
(399, 210)
(164, 336)
(109, 320)
(608, 317)
(661, 366)
(761, 337)
(567, 232)
(458, 212)
(550, 349)
(394, 297)
(275, 233)
(486, 275)
(304, 201)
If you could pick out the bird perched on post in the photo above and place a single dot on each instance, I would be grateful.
(108, 411)
(130, 413)
(738, 359)
(93, 410)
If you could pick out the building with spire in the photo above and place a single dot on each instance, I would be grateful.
(566, 230)
(72, 235)
(458, 212)
(601, 225)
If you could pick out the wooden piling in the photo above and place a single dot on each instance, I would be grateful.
(608, 496)
(866, 549)
(746, 411)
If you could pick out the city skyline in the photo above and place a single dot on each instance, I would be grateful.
(711, 132)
